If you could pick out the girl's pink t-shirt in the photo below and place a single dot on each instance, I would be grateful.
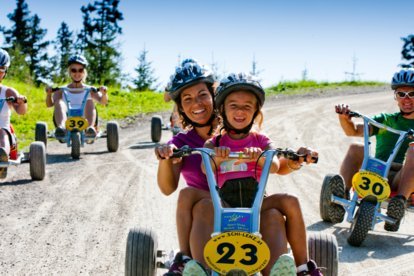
(233, 169)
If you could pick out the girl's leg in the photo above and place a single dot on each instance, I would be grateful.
(289, 206)
(187, 198)
(272, 228)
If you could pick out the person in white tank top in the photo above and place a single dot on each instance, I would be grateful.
(75, 93)
(20, 106)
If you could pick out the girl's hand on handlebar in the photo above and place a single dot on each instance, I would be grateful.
(103, 89)
(253, 152)
(21, 99)
(221, 153)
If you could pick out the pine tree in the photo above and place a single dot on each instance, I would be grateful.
(145, 79)
(97, 39)
(19, 33)
(64, 49)
(408, 51)
(37, 51)
(24, 42)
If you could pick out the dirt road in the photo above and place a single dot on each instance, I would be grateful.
(76, 220)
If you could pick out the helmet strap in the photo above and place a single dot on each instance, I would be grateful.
(194, 124)
(230, 129)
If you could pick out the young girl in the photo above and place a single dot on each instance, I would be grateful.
(239, 99)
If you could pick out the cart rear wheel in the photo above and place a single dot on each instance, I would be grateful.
(323, 249)
(156, 128)
(41, 132)
(329, 211)
(112, 139)
(37, 157)
(141, 253)
(76, 144)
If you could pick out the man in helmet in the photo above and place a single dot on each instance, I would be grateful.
(401, 176)
(75, 93)
(7, 138)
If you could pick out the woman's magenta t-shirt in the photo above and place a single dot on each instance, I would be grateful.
(191, 165)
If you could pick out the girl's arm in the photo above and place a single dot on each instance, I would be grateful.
(20, 106)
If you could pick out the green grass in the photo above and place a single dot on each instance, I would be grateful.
(306, 86)
(127, 104)
(121, 105)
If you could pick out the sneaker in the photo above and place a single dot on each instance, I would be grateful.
(90, 132)
(194, 268)
(337, 212)
(313, 270)
(395, 210)
(178, 264)
(284, 266)
(4, 157)
(60, 133)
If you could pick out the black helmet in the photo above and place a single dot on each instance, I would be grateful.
(404, 77)
(4, 58)
(78, 59)
(240, 81)
(189, 73)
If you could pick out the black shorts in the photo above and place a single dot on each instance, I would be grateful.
(239, 192)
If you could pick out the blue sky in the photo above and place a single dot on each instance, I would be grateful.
(284, 37)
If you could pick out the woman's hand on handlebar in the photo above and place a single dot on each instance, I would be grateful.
(165, 151)
(307, 155)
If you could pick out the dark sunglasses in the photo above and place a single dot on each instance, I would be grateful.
(402, 95)
(3, 70)
(73, 70)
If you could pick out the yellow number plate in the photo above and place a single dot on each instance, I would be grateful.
(79, 123)
(236, 249)
(369, 183)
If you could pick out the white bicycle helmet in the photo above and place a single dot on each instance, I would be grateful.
(78, 59)
(189, 73)
(4, 58)
(404, 77)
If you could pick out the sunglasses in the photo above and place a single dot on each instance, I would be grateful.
(3, 70)
(74, 70)
(402, 95)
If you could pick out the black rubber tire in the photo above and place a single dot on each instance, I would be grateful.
(112, 139)
(141, 253)
(156, 128)
(330, 212)
(323, 249)
(37, 155)
(362, 221)
(76, 144)
(41, 132)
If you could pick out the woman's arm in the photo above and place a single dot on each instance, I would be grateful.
(169, 169)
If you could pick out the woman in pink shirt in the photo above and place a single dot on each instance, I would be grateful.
(191, 88)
